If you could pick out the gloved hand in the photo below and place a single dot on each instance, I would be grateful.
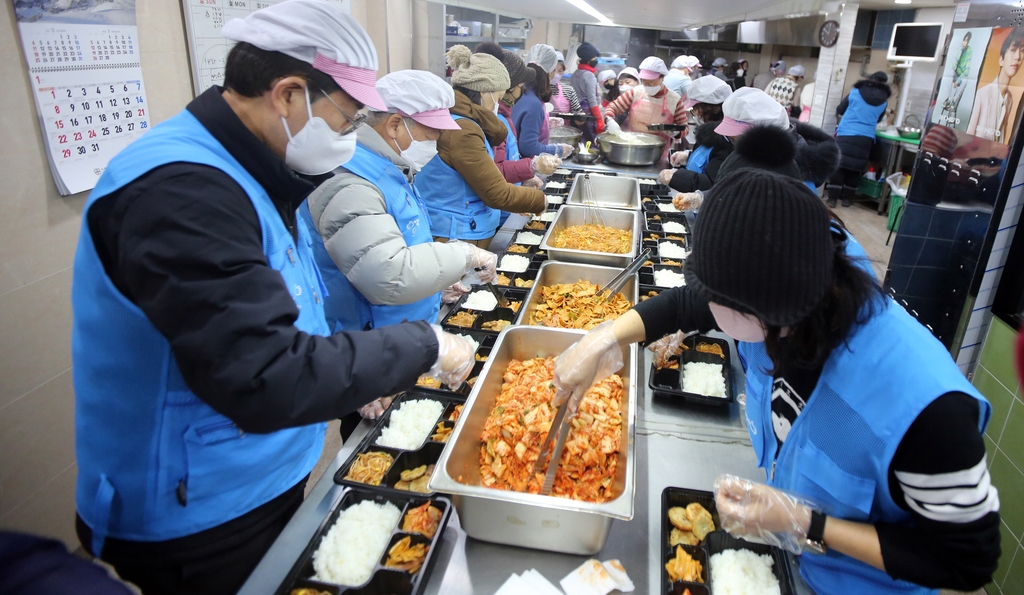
(591, 359)
(679, 158)
(762, 514)
(556, 122)
(450, 295)
(535, 182)
(454, 359)
(566, 150)
(688, 201)
(666, 348)
(375, 409)
(596, 112)
(545, 163)
(666, 176)
(481, 261)
(613, 126)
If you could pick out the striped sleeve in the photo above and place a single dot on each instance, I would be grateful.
(620, 105)
(955, 497)
(680, 114)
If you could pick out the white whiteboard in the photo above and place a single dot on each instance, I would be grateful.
(207, 48)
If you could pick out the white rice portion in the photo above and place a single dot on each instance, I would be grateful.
(555, 185)
(480, 300)
(667, 278)
(673, 227)
(563, 172)
(410, 424)
(350, 550)
(742, 572)
(671, 250)
(647, 182)
(554, 199)
(704, 379)
(474, 342)
(667, 207)
(546, 216)
(528, 238)
(514, 263)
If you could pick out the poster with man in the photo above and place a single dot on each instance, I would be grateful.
(1000, 88)
(959, 80)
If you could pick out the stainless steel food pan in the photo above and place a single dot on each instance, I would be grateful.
(553, 272)
(646, 150)
(618, 192)
(570, 215)
(531, 520)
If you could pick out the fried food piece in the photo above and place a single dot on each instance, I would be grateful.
(522, 416)
(443, 432)
(417, 481)
(576, 305)
(405, 556)
(684, 568)
(672, 263)
(411, 474)
(535, 225)
(524, 282)
(481, 358)
(502, 279)
(515, 305)
(701, 520)
(518, 249)
(370, 467)
(423, 520)
(649, 295)
(456, 412)
(679, 536)
(595, 238)
(714, 348)
(308, 591)
(463, 319)
(428, 382)
(677, 238)
(495, 325)
(677, 516)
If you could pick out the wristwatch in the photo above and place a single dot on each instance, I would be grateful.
(815, 542)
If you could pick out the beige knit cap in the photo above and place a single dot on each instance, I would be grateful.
(477, 72)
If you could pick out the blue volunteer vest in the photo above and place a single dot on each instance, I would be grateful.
(698, 160)
(860, 118)
(345, 307)
(154, 461)
(511, 154)
(456, 212)
(839, 448)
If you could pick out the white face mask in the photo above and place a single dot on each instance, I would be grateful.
(316, 149)
(494, 108)
(420, 152)
(739, 72)
(739, 326)
(652, 90)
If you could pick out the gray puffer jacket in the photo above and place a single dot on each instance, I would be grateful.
(367, 246)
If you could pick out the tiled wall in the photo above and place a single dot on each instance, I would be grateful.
(996, 378)
(38, 233)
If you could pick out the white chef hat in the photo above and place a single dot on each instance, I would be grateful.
(652, 67)
(319, 33)
(560, 56)
(420, 95)
(748, 106)
(680, 62)
(690, 62)
(605, 75)
(544, 56)
(798, 70)
(630, 71)
(707, 89)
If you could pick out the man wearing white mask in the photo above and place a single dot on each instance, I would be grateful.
(204, 368)
(681, 76)
(371, 231)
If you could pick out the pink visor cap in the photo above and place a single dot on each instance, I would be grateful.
(439, 119)
(420, 95)
(360, 83)
(730, 127)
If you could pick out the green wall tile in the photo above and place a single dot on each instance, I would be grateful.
(997, 355)
(1014, 582)
(997, 395)
(1010, 483)
(1012, 442)
(1008, 544)
(990, 449)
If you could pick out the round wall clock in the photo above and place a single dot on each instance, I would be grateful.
(828, 35)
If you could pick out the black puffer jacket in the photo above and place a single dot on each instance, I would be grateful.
(873, 93)
(685, 180)
(803, 151)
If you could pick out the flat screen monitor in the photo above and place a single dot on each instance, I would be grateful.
(915, 42)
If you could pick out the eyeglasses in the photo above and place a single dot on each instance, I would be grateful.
(353, 123)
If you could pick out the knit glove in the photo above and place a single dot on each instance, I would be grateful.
(758, 513)
(596, 111)
(667, 347)
(666, 176)
(450, 295)
(375, 409)
(591, 359)
(481, 261)
(454, 359)
(688, 201)
(546, 164)
(535, 182)
(679, 158)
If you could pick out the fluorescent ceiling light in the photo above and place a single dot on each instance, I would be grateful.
(902, 1)
(582, 5)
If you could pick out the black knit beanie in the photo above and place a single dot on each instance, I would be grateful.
(517, 70)
(880, 77)
(587, 52)
(763, 247)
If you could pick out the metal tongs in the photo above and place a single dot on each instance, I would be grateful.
(502, 300)
(619, 280)
(558, 428)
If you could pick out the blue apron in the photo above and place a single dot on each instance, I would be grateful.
(698, 160)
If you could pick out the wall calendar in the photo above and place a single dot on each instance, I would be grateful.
(83, 62)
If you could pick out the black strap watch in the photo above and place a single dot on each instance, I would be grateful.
(815, 542)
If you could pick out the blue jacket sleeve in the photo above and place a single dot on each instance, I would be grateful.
(528, 121)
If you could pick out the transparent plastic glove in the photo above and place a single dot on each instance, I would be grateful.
(454, 359)
(591, 359)
(555, 122)
(450, 295)
(679, 158)
(762, 514)
(535, 182)
(375, 409)
(666, 348)
(613, 126)
(566, 150)
(666, 176)
(481, 261)
(688, 201)
(545, 163)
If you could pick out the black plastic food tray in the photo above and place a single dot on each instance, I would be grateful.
(646, 273)
(513, 294)
(653, 224)
(427, 454)
(668, 383)
(651, 206)
(654, 189)
(383, 581)
(714, 543)
(529, 275)
(646, 290)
